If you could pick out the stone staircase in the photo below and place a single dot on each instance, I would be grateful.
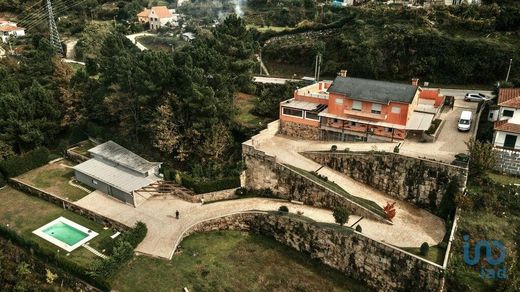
(94, 251)
(163, 187)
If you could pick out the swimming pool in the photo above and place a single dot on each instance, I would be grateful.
(65, 233)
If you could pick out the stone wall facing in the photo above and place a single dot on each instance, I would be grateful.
(418, 181)
(299, 130)
(508, 161)
(263, 172)
(376, 264)
(68, 205)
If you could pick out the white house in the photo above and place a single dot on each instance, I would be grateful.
(10, 29)
(157, 16)
(507, 125)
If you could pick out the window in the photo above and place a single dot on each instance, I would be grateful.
(353, 124)
(376, 108)
(335, 120)
(292, 112)
(311, 116)
(508, 113)
(396, 110)
(388, 130)
(356, 105)
(339, 100)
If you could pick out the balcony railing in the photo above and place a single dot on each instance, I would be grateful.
(313, 94)
(365, 115)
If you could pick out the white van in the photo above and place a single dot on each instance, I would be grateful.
(464, 121)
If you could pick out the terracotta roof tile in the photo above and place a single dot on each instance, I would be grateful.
(514, 102)
(7, 28)
(144, 13)
(506, 94)
(162, 11)
(504, 126)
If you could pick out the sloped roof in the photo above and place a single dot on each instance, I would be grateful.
(504, 126)
(505, 94)
(514, 102)
(162, 11)
(116, 153)
(8, 28)
(373, 90)
(144, 13)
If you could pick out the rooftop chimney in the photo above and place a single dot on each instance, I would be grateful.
(343, 73)
(415, 81)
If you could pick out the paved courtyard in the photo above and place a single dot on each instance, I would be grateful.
(164, 231)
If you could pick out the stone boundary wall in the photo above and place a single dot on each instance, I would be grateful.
(434, 136)
(419, 181)
(263, 172)
(299, 130)
(508, 161)
(75, 156)
(217, 196)
(67, 205)
(376, 264)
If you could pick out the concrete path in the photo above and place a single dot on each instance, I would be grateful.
(133, 39)
(164, 231)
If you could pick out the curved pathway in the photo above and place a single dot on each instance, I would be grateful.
(164, 231)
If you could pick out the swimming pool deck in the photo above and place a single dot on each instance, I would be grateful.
(164, 231)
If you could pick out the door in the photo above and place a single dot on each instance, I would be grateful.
(510, 141)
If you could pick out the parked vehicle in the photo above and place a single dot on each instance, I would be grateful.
(475, 96)
(464, 124)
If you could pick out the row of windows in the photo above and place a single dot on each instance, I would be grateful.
(299, 114)
(353, 124)
(376, 108)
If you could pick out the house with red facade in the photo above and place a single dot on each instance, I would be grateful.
(357, 109)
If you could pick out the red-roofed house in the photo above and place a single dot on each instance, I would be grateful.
(507, 126)
(157, 16)
(10, 29)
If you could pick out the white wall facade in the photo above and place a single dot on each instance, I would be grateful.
(499, 138)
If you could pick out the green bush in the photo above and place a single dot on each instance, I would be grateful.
(241, 192)
(425, 248)
(283, 209)
(133, 236)
(396, 149)
(2, 180)
(333, 148)
(359, 229)
(17, 165)
(198, 185)
(341, 215)
(53, 259)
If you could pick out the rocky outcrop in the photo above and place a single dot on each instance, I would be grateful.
(378, 265)
(418, 181)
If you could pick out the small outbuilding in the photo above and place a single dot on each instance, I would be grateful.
(117, 171)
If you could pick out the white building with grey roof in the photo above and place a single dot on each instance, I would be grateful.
(117, 171)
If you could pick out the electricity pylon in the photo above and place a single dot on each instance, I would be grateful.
(53, 31)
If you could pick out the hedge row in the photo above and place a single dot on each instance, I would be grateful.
(122, 250)
(53, 259)
(201, 186)
(17, 165)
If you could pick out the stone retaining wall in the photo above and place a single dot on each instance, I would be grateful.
(418, 181)
(68, 205)
(508, 161)
(376, 264)
(217, 196)
(69, 154)
(263, 172)
(299, 130)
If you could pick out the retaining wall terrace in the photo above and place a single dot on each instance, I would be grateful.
(263, 172)
(376, 264)
(418, 181)
(68, 205)
(299, 130)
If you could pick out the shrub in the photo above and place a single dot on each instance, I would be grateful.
(346, 150)
(202, 187)
(341, 215)
(17, 165)
(283, 209)
(333, 148)
(2, 180)
(241, 192)
(359, 229)
(424, 249)
(396, 149)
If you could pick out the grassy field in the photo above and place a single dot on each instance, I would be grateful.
(24, 213)
(232, 261)
(54, 178)
(370, 205)
(245, 103)
(435, 253)
(504, 179)
(266, 28)
(84, 147)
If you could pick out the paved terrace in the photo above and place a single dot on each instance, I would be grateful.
(165, 232)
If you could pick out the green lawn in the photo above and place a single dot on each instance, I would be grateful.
(370, 205)
(84, 147)
(504, 179)
(25, 213)
(435, 253)
(54, 178)
(232, 261)
(245, 103)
